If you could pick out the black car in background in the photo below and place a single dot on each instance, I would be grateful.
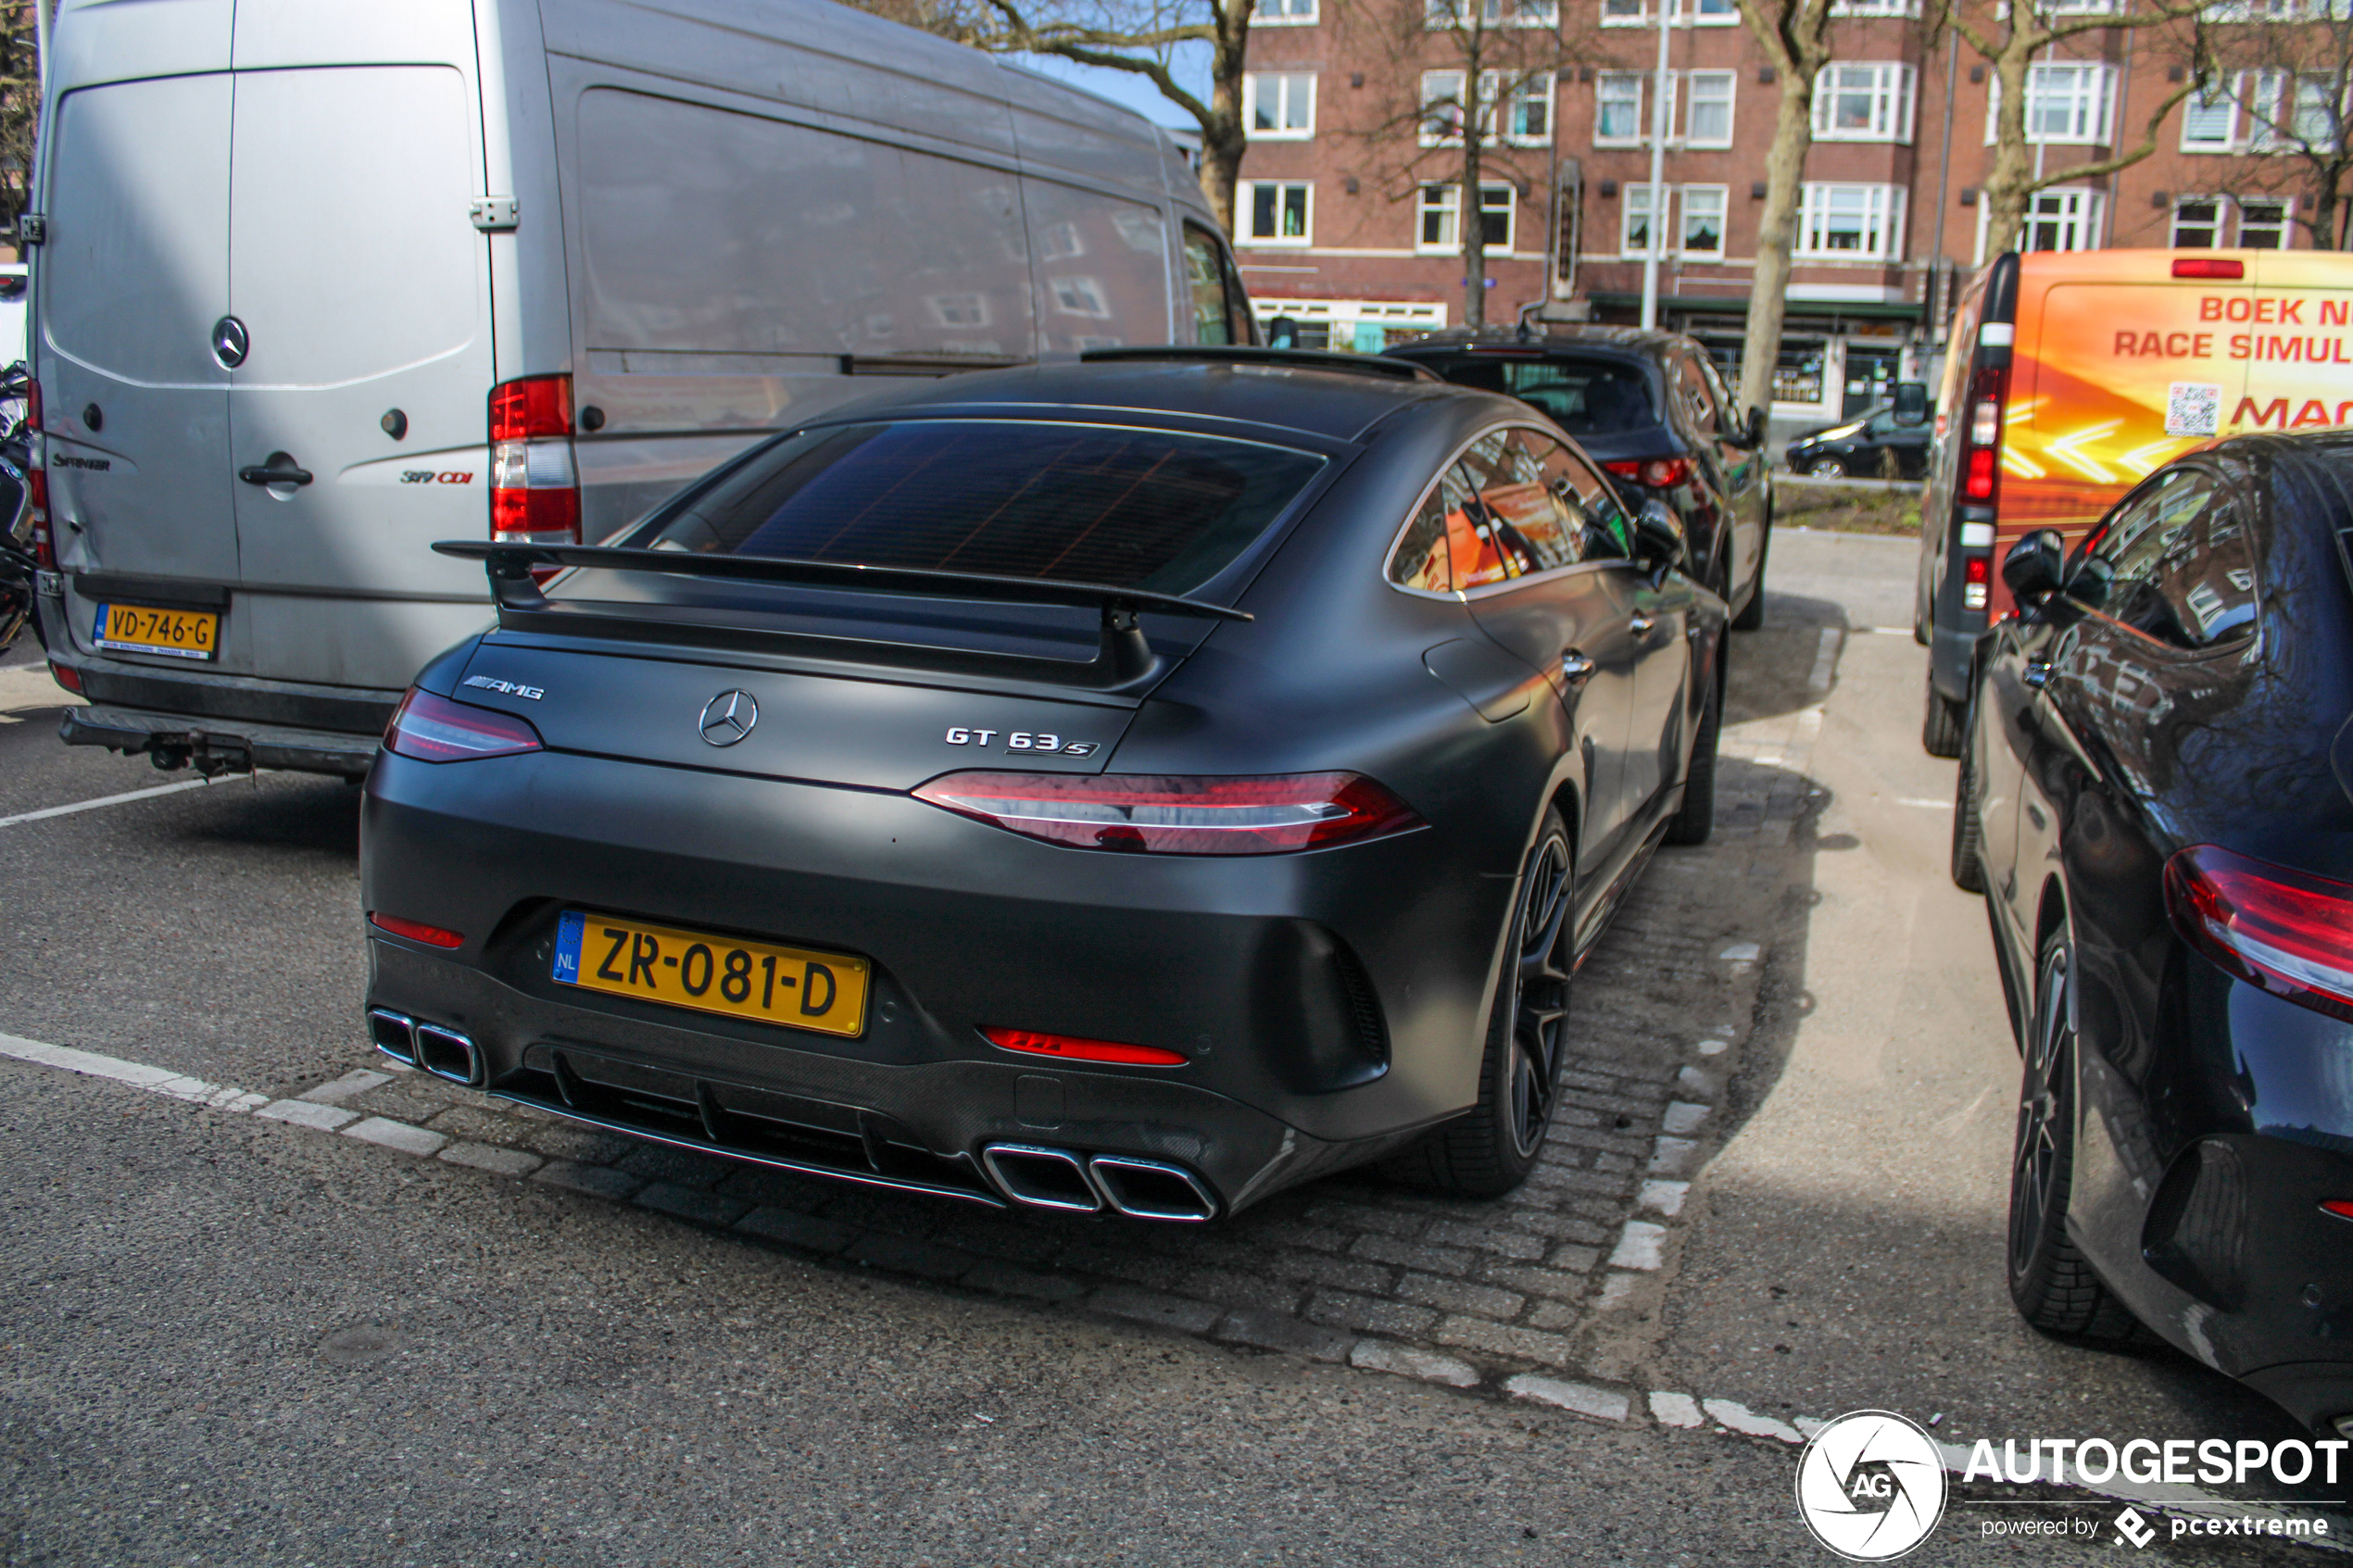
(1651, 410)
(2155, 797)
(1143, 784)
(1875, 445)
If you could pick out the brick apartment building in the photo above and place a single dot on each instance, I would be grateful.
(1350, 231)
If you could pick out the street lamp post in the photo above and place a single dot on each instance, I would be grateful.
(1658, 173)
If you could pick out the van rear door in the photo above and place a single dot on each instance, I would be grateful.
(364, 290)
(132, 278)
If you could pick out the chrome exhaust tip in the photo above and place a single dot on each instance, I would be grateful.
(445, 1053)
(1150, 1189)
(395, 1035)
(1042, 1177)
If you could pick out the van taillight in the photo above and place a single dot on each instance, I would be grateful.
(535, 487)
(1982, 451)
(1977, 570)
(2284, 930)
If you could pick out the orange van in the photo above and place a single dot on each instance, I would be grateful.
(2072, 375)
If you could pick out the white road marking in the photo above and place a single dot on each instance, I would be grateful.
(1824, 661)
(109, 800)
(1924, 805)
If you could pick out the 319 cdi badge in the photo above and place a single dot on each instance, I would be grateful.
(1142, 784)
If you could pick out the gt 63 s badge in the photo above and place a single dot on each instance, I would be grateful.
(1870, 1485)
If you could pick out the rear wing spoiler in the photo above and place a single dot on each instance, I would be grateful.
(1123, 659)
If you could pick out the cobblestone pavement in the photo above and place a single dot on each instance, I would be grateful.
(1354, 1268)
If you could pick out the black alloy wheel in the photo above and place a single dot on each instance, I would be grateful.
(1490, 1149)
(2051, 1282)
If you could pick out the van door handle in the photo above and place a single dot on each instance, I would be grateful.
(1640, 625)
(278, 469)
(1576, 667)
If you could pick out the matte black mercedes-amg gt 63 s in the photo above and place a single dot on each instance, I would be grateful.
(1142, 784)
(2153, 797)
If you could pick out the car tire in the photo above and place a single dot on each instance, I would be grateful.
(1752, 615)
(1969, 838)
(1696, 819)
(1826, 468)
(2052, 1285)
(1490, 1149)
(1941, 724)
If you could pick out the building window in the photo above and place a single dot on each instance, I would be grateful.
(2062, 220)
(1441, 107)
(1439, 16)
(1864, 102)
(2063, 103)
(1617, 113)
(1851, 223)
(2211, 119)
(1703, 221)
(1280, 212)
(1709, 98)
(1622, 13)
(1875, 7)
(1442, 205)
(1703, 13)
(2263, 224)
(1282, 13)
(1634, 236)
(1528, 113)
(1279, 105)
(2316, 119)
(2197, 223)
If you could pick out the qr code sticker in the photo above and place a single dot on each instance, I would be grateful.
(2193, 408)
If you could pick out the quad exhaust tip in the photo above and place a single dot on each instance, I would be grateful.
(444, 1052)
(1046, 1177)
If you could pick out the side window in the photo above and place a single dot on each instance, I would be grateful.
(1478, 542)
(2172, 563)
(1205, 281)
(1597, 521)
(1422, 559)
(1692, 395)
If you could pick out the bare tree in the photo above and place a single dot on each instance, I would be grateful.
(2011, 34)
(1796, 35)
(20, 108)
(2277, 81)
(1137, 36)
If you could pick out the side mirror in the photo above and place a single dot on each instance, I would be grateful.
(1755, 430)
(2036, 567)
(1658, 535)
(1911, 403)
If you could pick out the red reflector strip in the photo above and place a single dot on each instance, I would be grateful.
(68, 676)
(2341, 1208)
(2209, 266)
(1076, 1049)
(415, 930)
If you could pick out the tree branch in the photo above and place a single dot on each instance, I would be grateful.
(2123, 159)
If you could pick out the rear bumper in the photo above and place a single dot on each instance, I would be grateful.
(1329, 1004)
(217, 745)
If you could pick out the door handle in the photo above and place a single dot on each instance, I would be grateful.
(278, 469)
(1640, 625)
(1576, 667)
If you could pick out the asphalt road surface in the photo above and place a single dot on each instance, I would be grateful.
(304, 1312)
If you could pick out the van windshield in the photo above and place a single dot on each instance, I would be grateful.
(1131, 509)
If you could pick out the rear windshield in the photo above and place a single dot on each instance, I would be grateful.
(1133, 509)
(1582, 397)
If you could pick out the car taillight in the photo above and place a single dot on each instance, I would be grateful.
(1075, 1047)
(2286, 931)
(1158, 815)
(1976, 573)
(534, 485)
(1659, 473)
(416, 930)
(433, 729)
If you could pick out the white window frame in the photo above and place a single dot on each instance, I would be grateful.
(2311, 88)
(1298, 13)
(2287, 221)
(1537, 89)
(1289, 86)
(1691, 101)
(1875, 7)
(2093, 123)
(2221, 218)
(1442, 15)
(1893, 89)
(1626, 209)
(1640, 81)
(1249, 210)
(1721, 195)
(2225, 103)
(1441, 109)
(1679, 13)
(1508, 206)
(1445, 201)
(2079, 209)
(1882, 206)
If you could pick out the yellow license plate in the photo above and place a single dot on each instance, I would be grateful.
(176, 634)
(794, 986)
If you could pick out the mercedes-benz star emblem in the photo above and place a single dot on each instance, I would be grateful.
(729, 717)
(229, 341)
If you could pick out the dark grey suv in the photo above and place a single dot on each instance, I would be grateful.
(1652, 410)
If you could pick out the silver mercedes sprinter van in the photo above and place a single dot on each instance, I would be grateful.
(317, 282)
